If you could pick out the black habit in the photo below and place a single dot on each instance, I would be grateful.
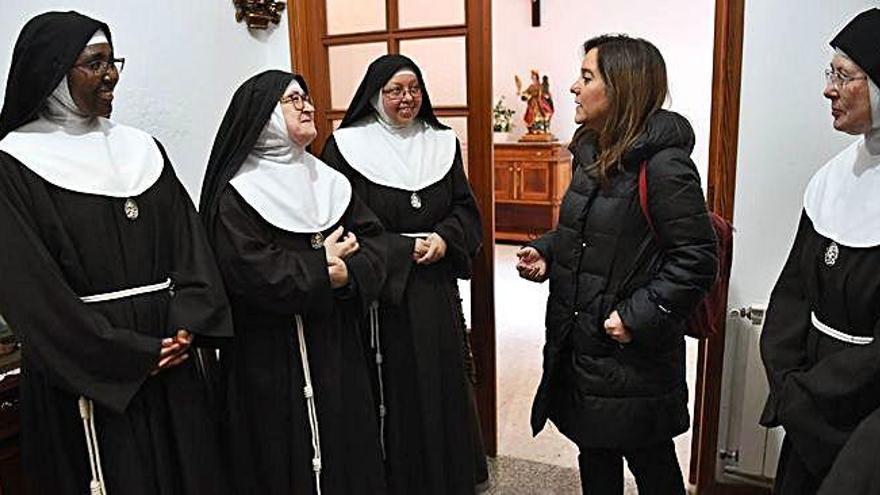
(432, 440)
(274, 276)
(156, 433)
(821, 388)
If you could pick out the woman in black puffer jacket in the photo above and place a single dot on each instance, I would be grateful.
(620, 290)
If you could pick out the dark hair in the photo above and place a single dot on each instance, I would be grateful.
(635, 83)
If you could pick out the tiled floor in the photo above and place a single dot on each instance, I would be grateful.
(519, 317)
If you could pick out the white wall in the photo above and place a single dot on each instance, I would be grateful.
(183, 62)
(785, 135)
(785, 131)
(683, 30)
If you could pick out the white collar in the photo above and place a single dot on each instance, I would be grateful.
(290, 188)
(843, 197)
(85, 154)
(409, 158)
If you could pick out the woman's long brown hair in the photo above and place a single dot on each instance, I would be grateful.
(635, 83)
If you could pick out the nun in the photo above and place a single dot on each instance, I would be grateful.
(301, 258)
(109, 281)
(407, 167)
(820, 341)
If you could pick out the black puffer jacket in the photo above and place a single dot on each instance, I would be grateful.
(603, 256)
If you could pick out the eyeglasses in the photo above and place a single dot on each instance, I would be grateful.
(839, 80)
(297, 100)
(100, 67)
(397, 92)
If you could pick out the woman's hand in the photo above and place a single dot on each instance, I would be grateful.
(429, 250)
(174, 351)
(335, 248)
(531, 265)
(338, 272)
(615, 329)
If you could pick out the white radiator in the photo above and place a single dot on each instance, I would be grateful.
(749, 450)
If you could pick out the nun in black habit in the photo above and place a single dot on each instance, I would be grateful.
(407, 167)
(108, 280)
(821, 340)
(300, 415)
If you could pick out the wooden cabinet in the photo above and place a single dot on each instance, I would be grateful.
(530, 179)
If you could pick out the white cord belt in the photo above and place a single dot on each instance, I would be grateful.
(87, 413)
(376, 344)
(420, 235)
(310, 403)
(837, 334)
(125, 293)
(87, 407)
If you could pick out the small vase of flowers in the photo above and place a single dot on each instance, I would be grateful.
(502, 120)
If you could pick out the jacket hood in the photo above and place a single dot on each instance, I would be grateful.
(664, 129)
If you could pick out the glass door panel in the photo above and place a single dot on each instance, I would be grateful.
(444, 65)
(348, 64)
(355, 16)
(424, 13)
(459, 125)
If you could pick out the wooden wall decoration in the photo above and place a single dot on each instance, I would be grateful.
(258, 13)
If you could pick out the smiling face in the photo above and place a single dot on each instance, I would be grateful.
(91, 91)
(300, 123)
(402, 98)
(590, 95)
(850, 103)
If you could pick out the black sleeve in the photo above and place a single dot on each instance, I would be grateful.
(74, 347)
(462, 228)
(545, 246)
(199, 304)
(856, 469)
(687, 239)
(263, 274)
(783, 338)
(367, 266)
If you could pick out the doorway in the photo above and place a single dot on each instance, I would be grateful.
(333, 40)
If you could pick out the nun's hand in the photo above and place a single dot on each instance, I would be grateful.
(174, 351)
(531, 265)
(616, 330)
(420, 247)
(436, 250)
(338, 272)
(336, 248)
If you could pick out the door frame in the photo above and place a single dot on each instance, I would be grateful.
(308, 56)
(720, 194)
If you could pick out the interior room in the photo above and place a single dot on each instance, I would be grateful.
(746, 75)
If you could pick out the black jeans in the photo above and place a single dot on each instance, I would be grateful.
(655, 469)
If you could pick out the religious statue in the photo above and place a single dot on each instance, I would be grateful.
(539, 107)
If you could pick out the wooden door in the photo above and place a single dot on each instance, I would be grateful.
(333, 41)
(723, 141)
(533, 181)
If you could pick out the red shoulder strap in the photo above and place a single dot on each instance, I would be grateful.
(643, 192)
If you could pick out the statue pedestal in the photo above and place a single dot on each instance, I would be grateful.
(538, 138)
